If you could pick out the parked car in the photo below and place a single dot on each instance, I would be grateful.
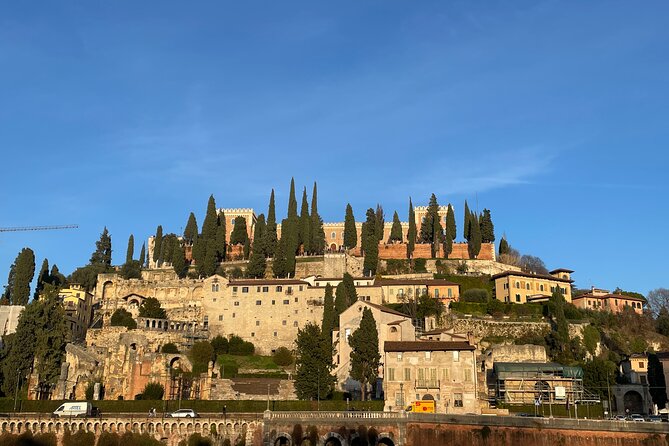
(184, 413)
(636, 417)
(77, 409)
(619, 418)
(655, 419)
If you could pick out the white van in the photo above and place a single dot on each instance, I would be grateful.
(77, 409)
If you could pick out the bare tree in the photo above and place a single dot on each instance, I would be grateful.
(658, 299)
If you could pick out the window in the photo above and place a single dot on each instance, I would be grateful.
(232, 222)
(527, 286)
(289, 290)
(295, 324)
(205, 323)
(457, 400)
(253, 335)
(541, 287)
(398, 399)
(391, 374)
(444, 375)
(257, 323)
(245, 289)
(468, 375)
(456, 356)
(279, 289)
(273, 302)
(286, 301)
(517, 297)
(234, 289)
(283, 323)
(258, 302)
(333, 235)
(214, 287)
(236, 303)
(275, 334)
(233, 315)
(517, 284)
(296, 300)
(450, 292)
(428, 355)
(257, 289)
(301, 287)
(220, 317)
(407, 374)
(641, 365)
(265, 289)
(436, 293)
(399, 356)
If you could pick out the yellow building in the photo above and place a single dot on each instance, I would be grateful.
(78, 304)
(518, 287)
(402, 290)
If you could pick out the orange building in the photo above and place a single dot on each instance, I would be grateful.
(603, 300)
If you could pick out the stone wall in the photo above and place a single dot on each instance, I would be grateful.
(424, 251)
(484, 328)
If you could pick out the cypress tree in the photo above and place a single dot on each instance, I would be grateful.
(430, 230)
(474, 243)
(371, 244)
(466, 225)
(380, 223)
(487, 228)
(179, 261)
(210, 220)
(43, 278)
(210, 264)
(279, 262)
(239, 234)
(103, 250)
(313, 364)
(142, 256)
(349, 286)
(503, 246)
(411, 234)
(328, 314)
(292, 202)
(247, 248)
(305, 224)
(24, 272)
(191, 230)
(271, 239)
(158, 245)
(257, 263)
(259, 234)
(130, 252)
(350, 232)
(56, 278)
(365, 356)
(7, 294)
(451, 230)
(221, 244)
(396, 230)
(317, 232)
(199, 253)
(341, 301)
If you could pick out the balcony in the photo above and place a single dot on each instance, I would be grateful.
(428, 384)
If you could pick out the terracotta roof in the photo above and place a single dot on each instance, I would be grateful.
(428, 282)
(385, 309)
(254, 282)
(561, 270)
(421, 346)
(341, 278)
(607, 296)
(535, 276)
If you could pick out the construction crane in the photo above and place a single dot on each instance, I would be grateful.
(37, 228)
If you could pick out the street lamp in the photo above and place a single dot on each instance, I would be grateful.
(401, 396)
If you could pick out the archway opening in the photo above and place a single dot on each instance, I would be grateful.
(282, 440)
(633, 402)
(387, 441)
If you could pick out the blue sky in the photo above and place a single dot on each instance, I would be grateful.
(552, 114)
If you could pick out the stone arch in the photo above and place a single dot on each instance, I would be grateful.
(633, 401)
(334, 439)
(36, 427)
(428, 397)
(107, 289)
(198, 427)
(19, 425)
(189, 428)
(58, 427)
(283, 439)
(49, 427)
(89, 427)
(4, 426)
(394, 334)
(386, 438)
(173, 428)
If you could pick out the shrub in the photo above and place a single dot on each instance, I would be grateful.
(282, 357)
(170, 347)
(419, 265)
(238, 346)
(123, 318)
(462, 268)
(153, 391)
(200, 354)
(90, 389)
(78, 438)
(109, 439)
(475, 295)
(46, 439)
(196, 440)
(151, 308)
(236, 273)
(220, 345)
(495, 307)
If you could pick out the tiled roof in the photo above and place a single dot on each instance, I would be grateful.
(428, 282)
(254, 282)
(422, 346)
(386, 309)
(607, 296)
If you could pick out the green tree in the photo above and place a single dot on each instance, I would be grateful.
(328, 315)
(591, 338)
(142, 256)
(365, 354)
(21, 275)
(42, 278)
(158, 245)
(279, 266)
(122, 318)
(191, 231)
(151, 308)
(474, 242)
(380, 223)
(257, 263)
(466, 226)
(411, 234)
(200, 354)
(56, 278)
(103, 250)
(317, 232)
(40, 339)
(270, 237)
(341, 302)
(430, 229)
(292, 202)
(153, 391)
(371, 244)
(220, 345)
(599, 375)
(503, 246)
(210, 261)
(313, 364)
(210, 220)
(247, 249)
(282, 357)
(198, 254)
(130, 252)
(395, 230)
(487, 227)
(239, 234)
(350, 232)
(179, 261)
(221, 243)
(131, 270)
(169, 348)
(662, 321)
(351, 293)
(87, 276)
(450, 232)
(305, 224)
(558, 339)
